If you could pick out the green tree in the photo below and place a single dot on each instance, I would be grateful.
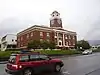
(34, 44)
(52, 45)
(44, 44)
(83, 44)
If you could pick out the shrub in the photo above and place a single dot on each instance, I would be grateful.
(44, 44)
(59, 52)
(5, 54)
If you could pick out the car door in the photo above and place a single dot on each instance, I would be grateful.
(36, 63)
(47, 64)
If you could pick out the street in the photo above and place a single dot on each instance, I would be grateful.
(75, 65)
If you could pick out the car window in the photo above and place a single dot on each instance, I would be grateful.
(24, 58)
(12, 59)
(34, 57)
(43, 57)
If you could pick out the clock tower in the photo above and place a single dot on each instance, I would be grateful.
(55, 20)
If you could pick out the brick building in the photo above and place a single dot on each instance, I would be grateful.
(56, 33)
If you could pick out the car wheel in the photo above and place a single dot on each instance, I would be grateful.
(27, 72)
(57, 68)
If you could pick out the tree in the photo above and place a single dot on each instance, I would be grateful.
(83, 44)
(44, 44)
(34, 44)
(52, 45)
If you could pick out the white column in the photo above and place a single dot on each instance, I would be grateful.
(63, 40)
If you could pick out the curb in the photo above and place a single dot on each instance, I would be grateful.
(3, 62)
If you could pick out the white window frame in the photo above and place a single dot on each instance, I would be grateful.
(31, 34)
(48, 34)
(69, 37)
(69, 43)
(66, 37)
(66, 42)
(41, 33)
(27, 36)
(73, 37)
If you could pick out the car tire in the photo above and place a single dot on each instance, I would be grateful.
(27, 72)
(57, 68)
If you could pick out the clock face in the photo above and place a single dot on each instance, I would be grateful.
(52, 22)
(59, 21)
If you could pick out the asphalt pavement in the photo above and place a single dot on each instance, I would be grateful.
(75, 65)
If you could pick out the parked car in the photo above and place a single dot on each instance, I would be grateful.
(87, 52)
(27, 63)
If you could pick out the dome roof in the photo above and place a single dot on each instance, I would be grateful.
(55, 12)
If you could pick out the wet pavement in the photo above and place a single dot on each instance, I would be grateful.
(75, 65)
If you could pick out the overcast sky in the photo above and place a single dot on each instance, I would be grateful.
(82, 16)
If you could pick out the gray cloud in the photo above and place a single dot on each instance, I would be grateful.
(13, 25)
(81, 16)
(94, 31)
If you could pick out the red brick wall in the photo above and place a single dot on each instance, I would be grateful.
(36, 36)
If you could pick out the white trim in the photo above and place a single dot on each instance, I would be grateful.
(41, 33)
(45, 28)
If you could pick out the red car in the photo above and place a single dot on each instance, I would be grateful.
(27, 63)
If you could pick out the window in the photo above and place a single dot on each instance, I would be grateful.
(21, 38)
(34, 57)
(73, 37)
(31, 34)
(43, 57)
(73, 43)
(12, 59)
(69, 43)
(24, 58)
(21, 44)
(59, 43)
(66, 37)
(69, 37)
(48, 34)
(56, 34)
(41, 33)
(66, 43)
(12, 40)
(27, 35)
(41, 39)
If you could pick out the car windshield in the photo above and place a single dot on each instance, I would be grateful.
(12, 59)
